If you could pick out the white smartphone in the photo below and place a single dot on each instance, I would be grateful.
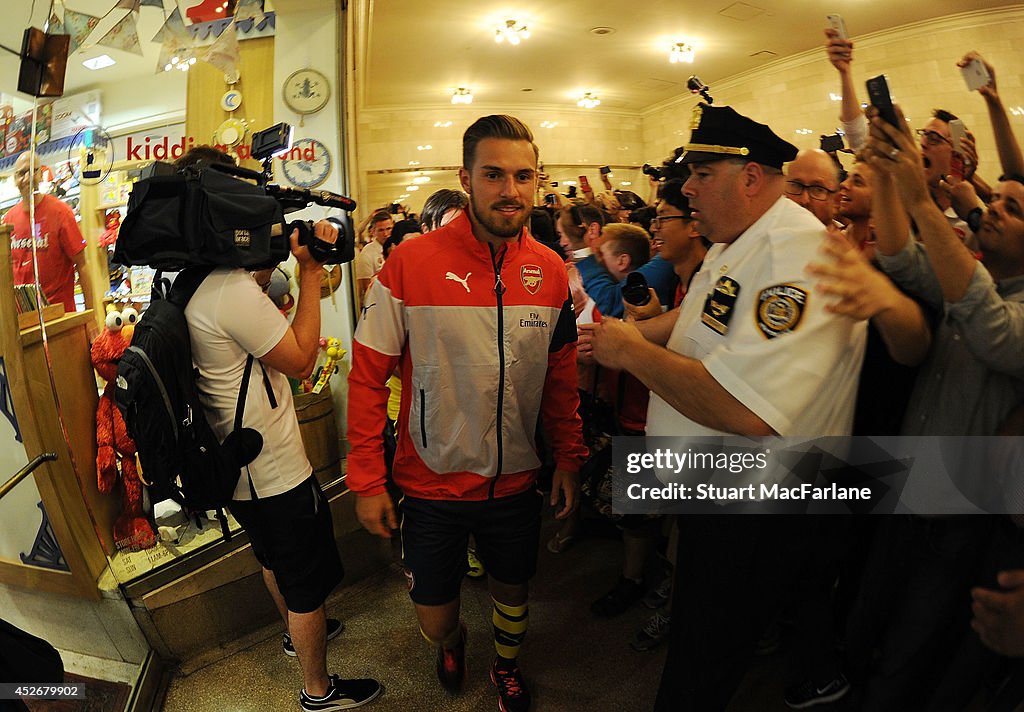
(975, 75)
(957, 130)
(837, 24)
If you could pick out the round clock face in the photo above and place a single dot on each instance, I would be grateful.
(308, 163)
(306, 91)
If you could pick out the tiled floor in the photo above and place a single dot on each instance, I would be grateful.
(572, 660)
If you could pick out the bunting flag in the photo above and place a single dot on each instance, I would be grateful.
(224, 55)
(249, 10)
(173, 26)
(152, 3)
(173, 51)
(130, 5)
(55, 26)
(78, 25)
(124, 35)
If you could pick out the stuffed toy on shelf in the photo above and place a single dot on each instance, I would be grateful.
(115, 450)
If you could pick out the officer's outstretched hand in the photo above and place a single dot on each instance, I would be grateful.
(565, 486)
(377, 514)
(612, 342)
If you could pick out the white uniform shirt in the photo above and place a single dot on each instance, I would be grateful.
(781, 355)
(228, 318)
(369, 260)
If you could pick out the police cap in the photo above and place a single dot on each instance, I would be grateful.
(719, 132)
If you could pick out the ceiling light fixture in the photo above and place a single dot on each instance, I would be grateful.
(412, 187)
(421, 179)
(424, 147)
(681, 52)
(104, 60)
(511, 34)
(462, 96)
(548, 124)
(442, 124)
(588, 101)
(414, 163)
(178, 63)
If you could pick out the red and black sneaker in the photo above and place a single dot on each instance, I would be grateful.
(451, 664)
(512, 693)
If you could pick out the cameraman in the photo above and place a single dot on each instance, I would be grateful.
(277, 501)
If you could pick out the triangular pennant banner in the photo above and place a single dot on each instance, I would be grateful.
(173, 27)
(223, 54)
(55, 26)
(78, 25)
(130, 5)
(152, 3)
(124, 35)
(249, 10)
(173, 52)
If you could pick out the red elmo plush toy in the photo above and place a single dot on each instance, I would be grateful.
(132, 529)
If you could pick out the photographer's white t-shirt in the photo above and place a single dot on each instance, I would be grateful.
(228, 318)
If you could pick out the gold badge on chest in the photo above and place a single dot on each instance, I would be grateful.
(719, 305)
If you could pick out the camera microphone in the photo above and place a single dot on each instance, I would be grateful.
(696, 86)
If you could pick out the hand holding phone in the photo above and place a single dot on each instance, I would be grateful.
(975, 74)
(957, 131)
(878, 95)
(585, 185)
(836, 23)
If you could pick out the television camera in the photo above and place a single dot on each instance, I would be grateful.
(218, 213)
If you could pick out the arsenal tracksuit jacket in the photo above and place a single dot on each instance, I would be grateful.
(485, 344)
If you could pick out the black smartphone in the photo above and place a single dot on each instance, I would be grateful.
(550, 199)
(831, 144)
(393, 208)
(605, 170)
(635, 291)
(878, 94)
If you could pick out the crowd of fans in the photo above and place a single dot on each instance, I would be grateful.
(904, 611)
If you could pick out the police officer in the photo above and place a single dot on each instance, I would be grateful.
(751, 351)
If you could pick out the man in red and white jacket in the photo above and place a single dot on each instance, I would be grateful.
(477, 317)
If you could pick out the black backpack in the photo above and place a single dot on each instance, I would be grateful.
(156, 393)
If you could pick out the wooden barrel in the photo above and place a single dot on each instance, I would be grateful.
(319, 430)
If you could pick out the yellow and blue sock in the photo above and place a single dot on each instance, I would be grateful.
(510, 624)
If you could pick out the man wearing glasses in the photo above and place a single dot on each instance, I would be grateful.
(937, 155)
(812, 182)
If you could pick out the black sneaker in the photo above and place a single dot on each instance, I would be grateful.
(342, 695)
(451, 664)
(334, 627)
(623, 595)
(653, 633)
(807, 694)
(512, 693)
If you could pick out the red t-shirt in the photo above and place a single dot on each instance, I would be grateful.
(58, 239)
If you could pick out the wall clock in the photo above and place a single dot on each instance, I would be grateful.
(311, 163)
(306, 91)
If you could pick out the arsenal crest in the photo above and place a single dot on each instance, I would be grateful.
(532, 277)
(779, 309)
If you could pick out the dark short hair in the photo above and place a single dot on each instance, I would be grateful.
(1015, 177)
(943, 115)
(643, 216)
(542, 227)
(380, 216)
(671, 192)
(439, 203)
(205, 153)
(494, 126)
(403, 228)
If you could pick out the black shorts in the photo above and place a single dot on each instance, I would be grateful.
(435, 534)
(292, 535)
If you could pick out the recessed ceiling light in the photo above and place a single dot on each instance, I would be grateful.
(602, 31)
(424, 147)
(625, 183)
(442, 124)
(411, 188)
(421, 179)
(98, 62)
(414, 163)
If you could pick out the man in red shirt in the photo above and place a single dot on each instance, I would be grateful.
(59, 246)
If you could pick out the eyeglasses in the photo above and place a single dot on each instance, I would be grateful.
(932, 138)
(817, 192)
(658, 221)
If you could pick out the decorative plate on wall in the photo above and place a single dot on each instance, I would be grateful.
(306, 91)
(307, 164)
